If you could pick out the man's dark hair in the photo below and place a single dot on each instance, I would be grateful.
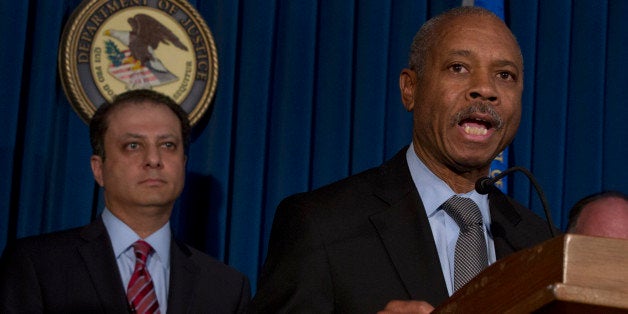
(100, 121)
(574, 212)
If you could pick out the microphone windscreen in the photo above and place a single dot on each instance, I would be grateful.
(483, 185)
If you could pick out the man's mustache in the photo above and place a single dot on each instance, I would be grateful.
(479, 107)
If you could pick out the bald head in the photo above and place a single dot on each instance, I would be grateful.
(604, 215)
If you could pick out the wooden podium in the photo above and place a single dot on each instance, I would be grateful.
(568, 274)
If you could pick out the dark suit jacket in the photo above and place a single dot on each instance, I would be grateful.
(75, 271)
(354, 245)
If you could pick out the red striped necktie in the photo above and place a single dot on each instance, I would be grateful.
(141, 292)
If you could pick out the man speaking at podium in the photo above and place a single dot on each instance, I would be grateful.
(414, 228)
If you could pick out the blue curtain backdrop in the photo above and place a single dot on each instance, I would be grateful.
(308, 94)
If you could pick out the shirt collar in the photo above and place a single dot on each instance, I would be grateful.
(427, 184)
(122, 237)
(434, 191)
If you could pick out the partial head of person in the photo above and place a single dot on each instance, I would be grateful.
(464, 84)
(139, 142)
(602, 214)
(99, 122)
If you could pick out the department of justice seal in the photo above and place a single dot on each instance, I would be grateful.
(112, 46)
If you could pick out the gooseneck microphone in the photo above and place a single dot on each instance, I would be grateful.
(484, 185)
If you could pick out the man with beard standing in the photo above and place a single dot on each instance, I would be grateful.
(406, 235)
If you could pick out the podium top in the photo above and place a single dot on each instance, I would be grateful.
(566, 271)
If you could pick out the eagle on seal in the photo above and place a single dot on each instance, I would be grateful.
(145, 36)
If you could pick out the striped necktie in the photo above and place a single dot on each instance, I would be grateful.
(141, 292)
(470, 256)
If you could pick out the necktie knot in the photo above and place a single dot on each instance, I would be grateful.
(464, 212)
(141, 250)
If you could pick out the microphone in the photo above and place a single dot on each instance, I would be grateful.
(484, 185)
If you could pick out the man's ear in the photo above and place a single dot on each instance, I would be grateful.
(96, 163)
(407, 84)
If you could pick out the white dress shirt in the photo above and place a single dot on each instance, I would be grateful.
(158, 264)
(434, 192)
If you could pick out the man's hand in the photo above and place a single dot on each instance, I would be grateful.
(415, 307)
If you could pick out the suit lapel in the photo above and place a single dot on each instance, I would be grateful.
(183, 277)
(406, 234)
(101, 265)
(504, 224)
